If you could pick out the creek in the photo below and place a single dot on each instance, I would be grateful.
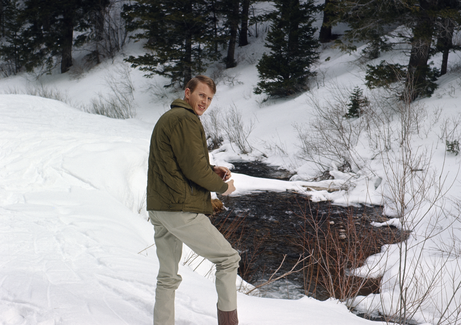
(266, 226)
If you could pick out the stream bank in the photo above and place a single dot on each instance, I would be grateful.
(266, 226)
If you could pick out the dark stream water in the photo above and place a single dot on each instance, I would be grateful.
(266, 226)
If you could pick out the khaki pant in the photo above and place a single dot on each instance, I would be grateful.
(172, 229)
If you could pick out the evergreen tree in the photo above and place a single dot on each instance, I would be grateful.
(370, 21)
(235, 11)
(2, 28)
(357, 103)
(325, 34)
(232, 22)
(50, 26)
(180, 37)
(284, 70)
(243, 35)
(445, 28)
(14, 52)
(93, 30)
(418, 81)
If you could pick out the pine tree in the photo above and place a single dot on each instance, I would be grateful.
(14, 52)
(50, 26)
(179, 34)
(2, 27)
(93, 30)
(371, 21)
(243, 35)
(293, 49)
(232, 21)
(357, 103)
(445, 29)
(235, 12)
(325, 34)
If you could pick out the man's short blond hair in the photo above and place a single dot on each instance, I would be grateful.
(192, 84)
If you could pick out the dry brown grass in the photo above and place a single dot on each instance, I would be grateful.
(337, 248)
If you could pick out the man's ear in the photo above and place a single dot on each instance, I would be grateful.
(187, 94)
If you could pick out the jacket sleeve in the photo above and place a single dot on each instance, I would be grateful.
(191, 156)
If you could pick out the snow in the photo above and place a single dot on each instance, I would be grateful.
(75, 243)
(73, 224)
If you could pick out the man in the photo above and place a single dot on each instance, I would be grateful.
(180, 179)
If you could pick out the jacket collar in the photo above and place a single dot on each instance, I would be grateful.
(183, 104)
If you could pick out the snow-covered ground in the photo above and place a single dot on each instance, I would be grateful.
(73, 229)
(73, 226)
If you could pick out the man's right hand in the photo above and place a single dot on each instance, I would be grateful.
(230, 188)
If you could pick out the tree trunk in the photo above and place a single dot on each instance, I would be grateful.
(447, 46)
(243, 37)
(188, 58)
(446, 27)
(233, 22)
(445, 42)
(2, 27)
(67, 40)
(417, 66)
(99, 18)
(325, 31)
(187, 62)
(215, 21)
(417, 69)
(289, 14)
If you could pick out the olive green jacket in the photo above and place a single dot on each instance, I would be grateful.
(180, 176)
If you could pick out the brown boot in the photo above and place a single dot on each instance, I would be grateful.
(227, 317)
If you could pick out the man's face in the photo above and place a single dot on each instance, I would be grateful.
(200, 98)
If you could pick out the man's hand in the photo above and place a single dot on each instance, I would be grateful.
(231, 187)
(223, 172)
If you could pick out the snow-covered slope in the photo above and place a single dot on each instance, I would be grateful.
(72, 224)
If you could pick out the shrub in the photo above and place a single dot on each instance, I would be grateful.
(337, 247)
(452, 146)
(41, 90)
(384, 74)
(213, 128)
(357, 103)
(111, 106)
(119, 103)
(237, 131)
